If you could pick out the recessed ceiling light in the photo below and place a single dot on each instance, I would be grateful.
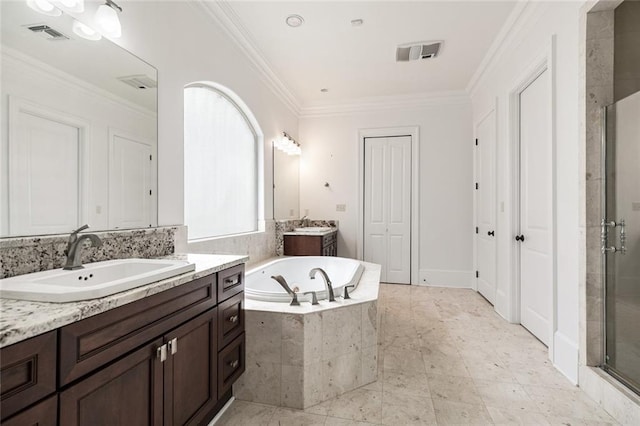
(294, 20)
(325, 90)
(357, 22)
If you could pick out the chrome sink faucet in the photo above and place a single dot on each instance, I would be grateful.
(327, 281)
(75, 246)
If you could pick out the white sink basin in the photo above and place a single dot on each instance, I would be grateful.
(313, 229)
(95, 280)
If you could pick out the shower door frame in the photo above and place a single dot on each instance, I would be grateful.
(603, 205)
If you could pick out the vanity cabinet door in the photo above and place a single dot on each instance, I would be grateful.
(127, 392)
(230, 319)
(190, 371)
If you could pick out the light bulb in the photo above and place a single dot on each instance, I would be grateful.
(85, 31)
(44, 7)
(108, 21)
(72, 5)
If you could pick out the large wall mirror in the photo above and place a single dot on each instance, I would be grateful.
(286, 185)
(79, 129)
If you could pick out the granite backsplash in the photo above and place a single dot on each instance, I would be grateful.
(24, 255)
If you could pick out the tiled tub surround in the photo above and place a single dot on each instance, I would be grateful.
(23, 319)
(24, 255)
(283, 226)
(299, 356)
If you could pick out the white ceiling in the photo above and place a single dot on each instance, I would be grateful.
(356, 63)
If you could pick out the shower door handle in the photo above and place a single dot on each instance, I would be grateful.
(605, 225)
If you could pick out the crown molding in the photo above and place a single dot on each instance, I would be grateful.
(518, 18)
(226, 18)
(381, 103)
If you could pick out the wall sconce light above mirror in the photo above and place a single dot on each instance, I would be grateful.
(287, 144)
(105, 18)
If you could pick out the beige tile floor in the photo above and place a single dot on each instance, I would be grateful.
(445, 357)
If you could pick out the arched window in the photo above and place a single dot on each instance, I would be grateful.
(221, 163)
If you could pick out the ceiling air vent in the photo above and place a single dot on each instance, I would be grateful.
(47, 32)
(139, 81)
(415, 51)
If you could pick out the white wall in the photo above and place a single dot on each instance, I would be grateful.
(526, 44)
(330, 154)
(185, 45)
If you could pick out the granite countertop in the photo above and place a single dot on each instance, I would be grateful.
(311, 233)
(21, 319)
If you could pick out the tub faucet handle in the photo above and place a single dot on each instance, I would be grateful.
(314, 297)
(346, 291)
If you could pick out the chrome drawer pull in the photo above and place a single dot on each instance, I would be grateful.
(234, 363)
(233, 318)
(232, 281)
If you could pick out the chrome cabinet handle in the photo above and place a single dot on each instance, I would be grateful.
(173, 345)
(234, 363)
(232, 281)
(161, 353)
(233, 318)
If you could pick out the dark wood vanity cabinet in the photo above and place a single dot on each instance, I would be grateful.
(168, 359)
(311, 245)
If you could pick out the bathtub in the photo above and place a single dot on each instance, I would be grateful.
(300, 356)
(295, 270)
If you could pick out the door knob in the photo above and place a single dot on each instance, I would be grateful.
(520, 238)
(491, 233)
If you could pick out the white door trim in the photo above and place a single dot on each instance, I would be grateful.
(543, 62)
(114, 132)
(493, 109)
(414, 132)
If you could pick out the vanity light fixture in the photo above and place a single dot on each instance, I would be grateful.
(107, 19)
(288, 145)
(45, 7)
(85, 31)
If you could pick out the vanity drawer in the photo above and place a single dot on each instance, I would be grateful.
(95, 341)
(230, 282)
(27, 372)
(230, 319)
(231, 362)
(44, 413)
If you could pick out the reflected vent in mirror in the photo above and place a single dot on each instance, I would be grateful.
(46, 32)
(416, 51)
(139, 81)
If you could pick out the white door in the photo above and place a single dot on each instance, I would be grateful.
(486, 206)
(536, 218)
(387, 206)
(130, 189)
(44, 179)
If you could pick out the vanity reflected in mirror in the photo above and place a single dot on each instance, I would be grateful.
(79, 120)
(286, 185)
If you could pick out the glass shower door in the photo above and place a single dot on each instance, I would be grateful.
(621, 240)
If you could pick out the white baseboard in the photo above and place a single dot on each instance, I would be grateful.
(444, 278)
(565, 353)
